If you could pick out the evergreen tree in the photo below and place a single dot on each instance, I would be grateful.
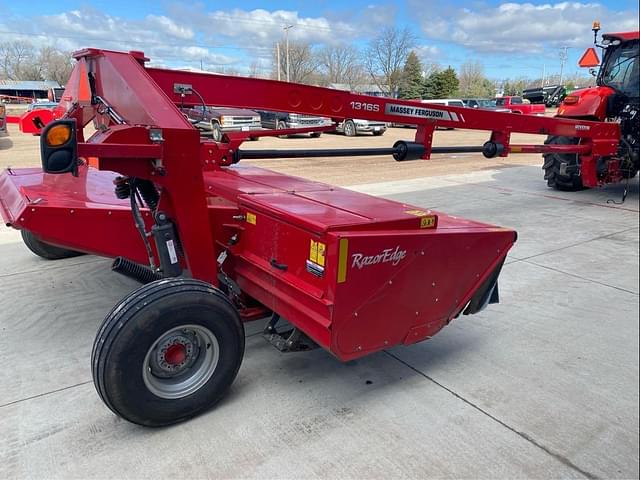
(412, 87)
(429, 88)
(448, 83)
(441, 84)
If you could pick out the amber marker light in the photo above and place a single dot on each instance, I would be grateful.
(58, 135)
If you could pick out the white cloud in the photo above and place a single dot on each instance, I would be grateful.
(428, 53)
(193, 33)
(521, 27)
(260, 29)
(161, 38)
(170, 27)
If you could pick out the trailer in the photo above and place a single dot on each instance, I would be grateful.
(217, 243)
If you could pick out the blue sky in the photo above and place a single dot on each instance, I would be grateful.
(511, 39)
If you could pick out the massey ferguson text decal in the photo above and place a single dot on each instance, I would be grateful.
(420, 112)
(388, 255)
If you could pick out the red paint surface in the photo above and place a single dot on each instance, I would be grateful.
(592, 104)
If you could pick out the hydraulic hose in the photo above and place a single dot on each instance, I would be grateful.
(134, 270)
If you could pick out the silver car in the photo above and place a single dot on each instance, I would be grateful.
(352, 127)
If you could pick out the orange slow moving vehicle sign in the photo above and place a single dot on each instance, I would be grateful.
(589, 58)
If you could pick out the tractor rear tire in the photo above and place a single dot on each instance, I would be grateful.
(554, 163)
(46, 250)
(167, 352)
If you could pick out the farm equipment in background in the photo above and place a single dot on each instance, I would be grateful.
(550, 95)
(37, 116)
(615, 99)
(39, 112)
(218, 243)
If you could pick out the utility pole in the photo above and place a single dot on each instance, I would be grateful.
(286, 29)
(278, 58)
(564, 55)
(544, 72)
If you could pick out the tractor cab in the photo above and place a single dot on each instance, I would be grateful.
(621, 66)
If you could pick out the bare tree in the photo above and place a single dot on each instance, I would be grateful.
(386, 55)
(303, 64)
(17, 61)
(255, 69)
(430, 68)
(56, 65)
(341, 64)
(473, 82)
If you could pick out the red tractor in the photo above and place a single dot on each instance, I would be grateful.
(616, 98)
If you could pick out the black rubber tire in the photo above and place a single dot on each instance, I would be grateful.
(216, 132)
(551, 166)
(315, 134)
(349, 128)
(46, 250)
(137, 322)
(281, 126)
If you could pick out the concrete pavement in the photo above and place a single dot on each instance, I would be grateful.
(543, 385)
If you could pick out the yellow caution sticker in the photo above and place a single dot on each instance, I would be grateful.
(317, 251)
(322, 248)
(251, 218)
(428, 222)
(343, 255)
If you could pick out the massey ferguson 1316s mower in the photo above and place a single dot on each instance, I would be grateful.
(616, 98)
(218, 243)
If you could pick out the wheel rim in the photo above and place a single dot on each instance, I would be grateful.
(181, 361)
(349, 129)
(216, 133)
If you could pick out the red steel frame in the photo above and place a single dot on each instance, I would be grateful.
(403, 302)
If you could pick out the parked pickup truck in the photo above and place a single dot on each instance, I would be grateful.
(518, 105)
(282, 120)
(355, 126)
(217, 120)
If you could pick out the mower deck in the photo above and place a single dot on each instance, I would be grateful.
(334, 260)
